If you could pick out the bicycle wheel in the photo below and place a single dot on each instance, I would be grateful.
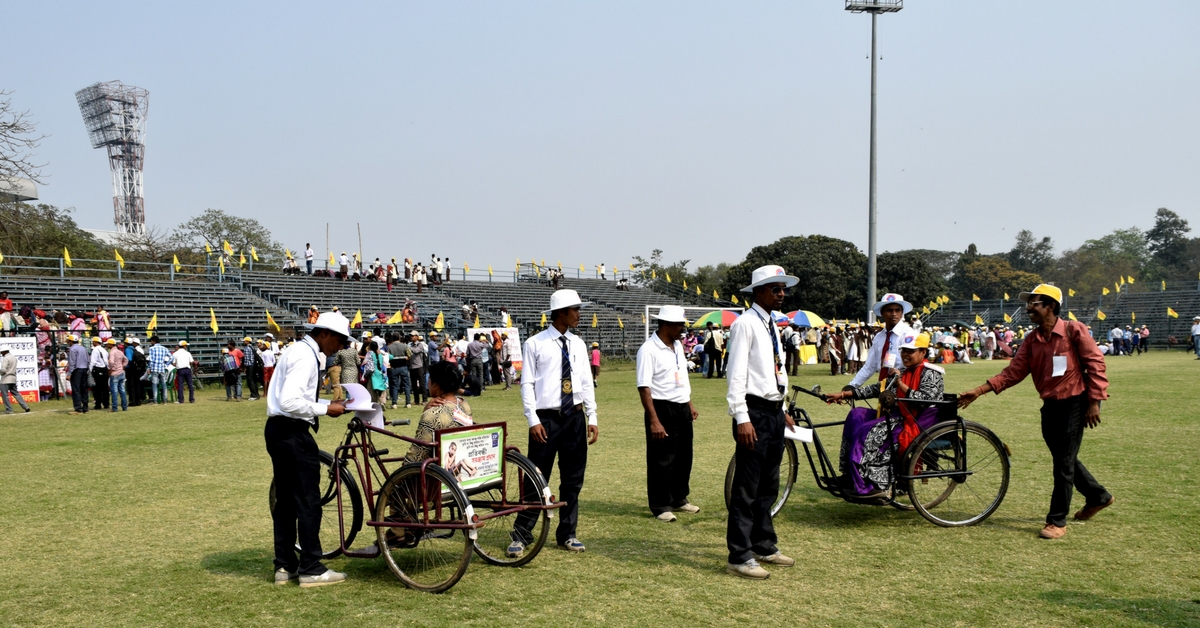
(351, 505)
(425, 559)
(522, 484)
(787, 476)
(957, 500)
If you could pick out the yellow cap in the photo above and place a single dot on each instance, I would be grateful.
(1046, 290)
(919, 341)
(247, 339)
(111, 341)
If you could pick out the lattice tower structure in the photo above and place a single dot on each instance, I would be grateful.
(115, 117)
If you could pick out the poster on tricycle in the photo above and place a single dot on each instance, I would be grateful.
(472, 455)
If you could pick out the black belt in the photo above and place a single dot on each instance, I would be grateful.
(753, 401)
(315, 424)
(557, 412)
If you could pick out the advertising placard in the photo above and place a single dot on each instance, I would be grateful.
(472, 455)
(24, 348)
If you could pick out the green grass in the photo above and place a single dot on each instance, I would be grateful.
(159, 517)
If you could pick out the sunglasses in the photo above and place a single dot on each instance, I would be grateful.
(778, 289)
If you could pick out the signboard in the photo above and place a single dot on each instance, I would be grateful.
(472, 454)
(514, 337)
(24, 348)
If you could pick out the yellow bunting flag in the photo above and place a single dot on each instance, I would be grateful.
(225, 247)
(974, 297)
(489, 270)
(560, 264)
(582, 269)
(620, 323)
(543, 262)
(1007, 318)
(439, 322)
(207, 248)
(543, 319)
(697, 289)
(1071, 315)
(1164, 284)
(1121, 281)
(395, 318)
(212, 324)
(733, 298)
(1130, 278)
(1005, 296)
(715, 295)
(1118, 285)
(331, 261)
(631, 266)
(241, 259)
(221, 264)
(978, 319)
(476, 325)
(153, 324)
(466, 268)
(120, 260)
(668, 277)
(1172, 313)
(357, 320)
(925, 310)
(1, 258)
(1100, 315)
(1104, 291)
(271, 324)
(175, 260)
(595, 321)
(66, 257)
(685, 284)
(1133, 316)
(653, 275)
(253, 255)
(1070, 292)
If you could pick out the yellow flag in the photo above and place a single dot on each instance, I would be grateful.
(974, 297)
(1007, 318)
(697, 289)
(439, 322)
(620, 323)
(734, 299)
(1070, 292)
(595, 322)
(225, 247)
(331, 261)
(213, 321)
(1133, 316)
(221, 264)
(685, 284)
(1005, 296)
(66, 257)
(1118, 286)
(271, 324)
(1121, 281)
(120, 260)
(357, 320)
(489, 270)
(631, 266)
(1071, 315)
(1164, 284)
(543, 319)
(518, 262)
(582, 269)
(395, 318)
(466, 268)
(1172, 313)
(715, 295)
(653, 275)
(925, 310)
(1130, 279)
(543, 262)
(175, 260)
(253, 255)
(978, 319)
(476, 325)
(207, 248)
(241, 259)
(1, 258)
(1104, 291)
(560, 264)
(668, 277)
(1100, 315)
(153, 324)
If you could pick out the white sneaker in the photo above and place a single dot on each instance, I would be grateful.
(666, 516)
(329, 577)
(749, 569)
(688, 508)
(283, 576)
(777, 559)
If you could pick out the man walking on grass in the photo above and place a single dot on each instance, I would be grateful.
(1069, 374)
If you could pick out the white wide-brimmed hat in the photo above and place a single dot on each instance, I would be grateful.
(770, 274)
(671, 314)
(889, 299)
(334, 322)
(565, 298)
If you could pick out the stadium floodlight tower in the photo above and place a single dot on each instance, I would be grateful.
(115, 117)
(874, 7)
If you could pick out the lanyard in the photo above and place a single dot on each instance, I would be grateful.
(774, 339)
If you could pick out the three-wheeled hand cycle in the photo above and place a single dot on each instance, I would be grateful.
(955, 473)
(430, 515)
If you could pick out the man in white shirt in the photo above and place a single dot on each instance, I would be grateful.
(344, 266)
(602, 269)
(666, 394)
(884, 355)
(1115, 335)
(292, 408)
(757, 384)
(446, 271)
(98, 363)
(182, 361)
(1195, 335)
(560, 406)
(308, 257)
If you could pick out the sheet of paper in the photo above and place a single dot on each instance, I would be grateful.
(802, 434)
(1060, 366)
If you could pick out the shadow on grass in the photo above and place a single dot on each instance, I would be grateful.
(258, 564)
(1155, 611)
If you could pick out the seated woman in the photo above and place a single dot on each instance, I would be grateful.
(866, 454)
(444, 410)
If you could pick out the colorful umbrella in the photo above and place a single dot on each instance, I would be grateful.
(720, 318)
(804, 318)
(781, 319)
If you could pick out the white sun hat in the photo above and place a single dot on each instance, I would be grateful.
(334, 322)
(889, 299)
(770, 274)
(565, 298)
(671, 314)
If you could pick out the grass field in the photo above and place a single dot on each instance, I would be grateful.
(158, 516)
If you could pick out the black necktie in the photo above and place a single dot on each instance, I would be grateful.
(568, 400)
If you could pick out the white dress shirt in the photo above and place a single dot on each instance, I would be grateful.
(871, 365)
(293, 389)
(1196, 329)
(750, 362)
(664, 370)
(541, 375)
(181, 359)
(98, 358)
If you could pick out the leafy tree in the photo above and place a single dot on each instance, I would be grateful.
(1097, 263)
(44, 231)
(1168, 240)
(832, 274)
(909, 274)
(991, 277)
(942, 262)
(1030, 254)
(649, 270)
(215, 226)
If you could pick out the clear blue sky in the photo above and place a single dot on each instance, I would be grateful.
(594, 131)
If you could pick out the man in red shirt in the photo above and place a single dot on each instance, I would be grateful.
(1068, 372)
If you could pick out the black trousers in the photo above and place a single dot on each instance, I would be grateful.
(714, 363)
(756, 484)
(101, 389)
(1063, 422)
(566, 437)
(133, 387)
(297, 467)
(669, 461)
(79, 389)
(253, 377)
(417, 377)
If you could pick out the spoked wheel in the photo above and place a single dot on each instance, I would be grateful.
(787, 476)
(522, 485)
(949, 499)
(427, 559)
(352, 509)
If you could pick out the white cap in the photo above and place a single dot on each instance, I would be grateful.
(334, 322)
(671, 314)
(770, 274)
(564, 299)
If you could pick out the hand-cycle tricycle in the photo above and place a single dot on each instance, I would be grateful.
(430, 515)
(955, 473)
